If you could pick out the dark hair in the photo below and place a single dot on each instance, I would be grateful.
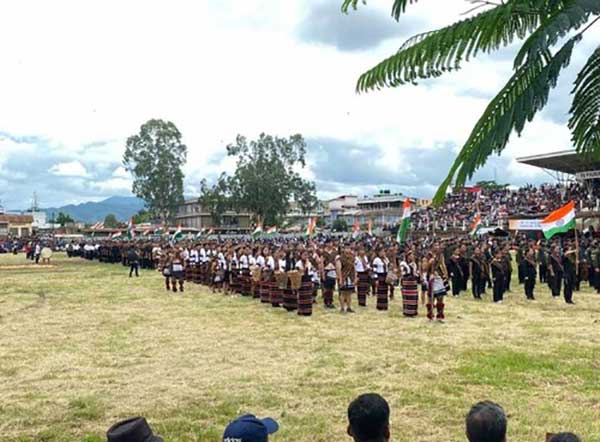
(369, 417)
(565, 437)
(486, 422)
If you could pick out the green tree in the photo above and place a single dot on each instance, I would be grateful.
(155, 157)
(266, 176)
(339, 225)
(143, 216)
(63, 219)
(110, 221)
(542, 24)
(215, 199)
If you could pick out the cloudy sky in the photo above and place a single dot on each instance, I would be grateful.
(77, 78)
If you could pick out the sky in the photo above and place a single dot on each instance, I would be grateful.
(78, 78)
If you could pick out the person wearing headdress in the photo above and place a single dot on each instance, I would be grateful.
(438, 282)
(381, 267)
(346, 278)
(362, 268)
(409, 281)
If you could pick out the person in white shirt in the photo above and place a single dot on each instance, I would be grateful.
(409, 285)
(305, 294)
(381, 266)
(362, 268)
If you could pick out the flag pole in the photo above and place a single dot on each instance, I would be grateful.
(576, 250)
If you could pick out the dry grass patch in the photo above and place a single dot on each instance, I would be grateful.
(82, 345)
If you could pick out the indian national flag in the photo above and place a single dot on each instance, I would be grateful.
(312, 223)
(98, 226)
(147, 231)
(272, 230)
(405, 223)
(356, 229)
(178, 233)
(258, 231)
(559, 221)
(476, 225)
(131, 229)
(200, 234)
(116, 235)
(160, 230)
(210, 232)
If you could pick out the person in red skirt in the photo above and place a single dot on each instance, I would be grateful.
(362, 268)
(305, 294)
(381, 266)
(409, 281)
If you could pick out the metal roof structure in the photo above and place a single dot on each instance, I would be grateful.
(566, 162)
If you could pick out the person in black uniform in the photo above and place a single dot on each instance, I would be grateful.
(133, 258)
(464, 266)
(570, 273)
(477, 273)
(498, 266)
(528, 271)
(543, 261)
(555, 271)
(456, 273)
(507, 258)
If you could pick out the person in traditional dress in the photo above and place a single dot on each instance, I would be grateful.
(305, 293)
(277, 286)
(346, 278)
(290, 297)
(478, 276)
(409, 281)
(177, 270)
(456, 273)
(438, 282)
(381, 267)
(328, 277)
(569, 273)
(362, 268)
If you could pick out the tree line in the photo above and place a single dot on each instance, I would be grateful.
(266, 179)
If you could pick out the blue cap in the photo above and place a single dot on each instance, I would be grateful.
(249, 428)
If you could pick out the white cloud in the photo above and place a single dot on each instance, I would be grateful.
(216, 69)
(70, 169)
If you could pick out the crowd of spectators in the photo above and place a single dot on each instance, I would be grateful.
(368, 421)
(497, 203)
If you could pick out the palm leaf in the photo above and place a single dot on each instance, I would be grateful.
(585, 110)
(398, 7)
(433, 53)
(524, 95)
(570, 16)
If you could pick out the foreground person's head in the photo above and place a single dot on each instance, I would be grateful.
(248, 428)
(486, 422)
(369, 419)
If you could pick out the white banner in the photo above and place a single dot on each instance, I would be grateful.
(525, 224)
(589, 175)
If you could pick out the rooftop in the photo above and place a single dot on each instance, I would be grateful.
(564, 161)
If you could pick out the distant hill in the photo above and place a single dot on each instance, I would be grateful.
(123, 207)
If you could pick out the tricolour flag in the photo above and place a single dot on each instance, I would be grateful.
(131, 229)
(405, 223)
(272, 230)
(178, 233)
(312, 223)
(559, 221)
(200, 234)
(356, 230)
(98, 226)
(258, 231)
(210, 232)
(160, 230)
(147, 231)
(116, 235)
(476, 225)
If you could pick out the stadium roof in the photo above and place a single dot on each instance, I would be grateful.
(565, 161)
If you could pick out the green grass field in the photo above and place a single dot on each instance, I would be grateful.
(82, 346)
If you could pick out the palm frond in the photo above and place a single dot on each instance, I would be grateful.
(431, 54)
(585, 110)
(570, 16)
(398, 8)
(524, 95)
